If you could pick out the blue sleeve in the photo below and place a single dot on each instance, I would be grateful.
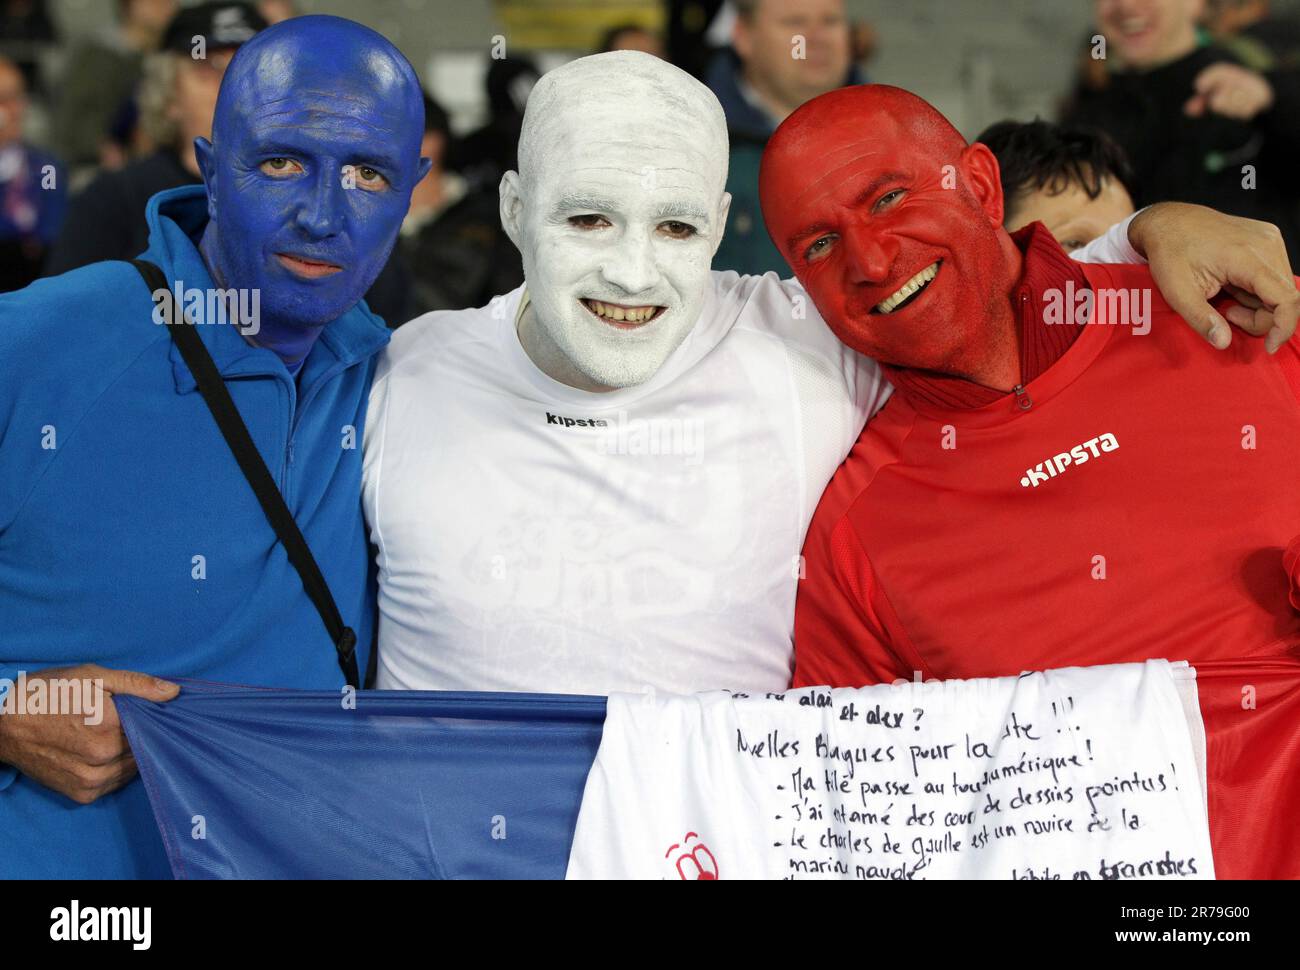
(7, 772)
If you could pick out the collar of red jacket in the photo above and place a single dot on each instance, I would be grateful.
(1046, 267)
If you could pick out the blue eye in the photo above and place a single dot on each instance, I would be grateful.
(819, 247)
(888, 199)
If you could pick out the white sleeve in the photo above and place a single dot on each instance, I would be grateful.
(1112, 247)
(372, 447)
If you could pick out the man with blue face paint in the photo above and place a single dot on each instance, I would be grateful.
(280, 218)
(129, 538)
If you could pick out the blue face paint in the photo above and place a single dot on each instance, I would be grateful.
(315, 150)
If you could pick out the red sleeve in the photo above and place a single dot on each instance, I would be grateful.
(1288, 358)
(839, 639)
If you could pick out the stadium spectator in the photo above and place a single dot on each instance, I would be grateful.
(632, 37)
(1259, 38)
(485, 155)
(178, 95)
(1075, 181)
(26, 29)
(783, 53)
(1196, 126)
(274, 11)
(31, 189)
(453, 249)
(101, 75)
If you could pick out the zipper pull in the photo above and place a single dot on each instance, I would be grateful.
(1022, 396)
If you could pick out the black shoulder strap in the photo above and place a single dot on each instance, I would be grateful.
(233, 429)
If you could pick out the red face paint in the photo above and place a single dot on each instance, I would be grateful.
(866, 187)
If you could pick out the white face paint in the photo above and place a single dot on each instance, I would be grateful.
(619, 210)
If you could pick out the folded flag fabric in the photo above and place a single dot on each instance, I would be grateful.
(277, 784)
(256, 783)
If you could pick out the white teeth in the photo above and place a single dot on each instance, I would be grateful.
(907, 289)
(619, 313)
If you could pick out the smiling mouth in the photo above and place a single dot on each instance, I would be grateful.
(621, 316)
(1134, 26)
(909, 291)
(311, 269)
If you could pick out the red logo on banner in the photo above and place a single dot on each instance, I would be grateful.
(697, 863)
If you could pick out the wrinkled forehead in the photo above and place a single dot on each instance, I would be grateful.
(832, 164)
(628, 163)
(364, 96)
(640, 134)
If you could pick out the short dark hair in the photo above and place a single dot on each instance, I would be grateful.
(1035, 155)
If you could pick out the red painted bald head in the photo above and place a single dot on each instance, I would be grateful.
(894, 226)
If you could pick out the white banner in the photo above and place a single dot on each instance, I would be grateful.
(1079, 773)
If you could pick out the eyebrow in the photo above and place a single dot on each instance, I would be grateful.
(571, 203)
(866, 195)
(667, 210)
(878, 183)
(681, 210)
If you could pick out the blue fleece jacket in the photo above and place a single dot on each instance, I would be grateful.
(114, 481)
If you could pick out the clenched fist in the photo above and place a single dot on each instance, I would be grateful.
(81, 756)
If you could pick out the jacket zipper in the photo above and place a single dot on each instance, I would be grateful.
(1023, 400)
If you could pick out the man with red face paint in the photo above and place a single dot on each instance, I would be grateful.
(1066, 474)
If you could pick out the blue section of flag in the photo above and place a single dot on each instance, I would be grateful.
(264, 784)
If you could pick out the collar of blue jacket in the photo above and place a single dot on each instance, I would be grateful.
(128, 535)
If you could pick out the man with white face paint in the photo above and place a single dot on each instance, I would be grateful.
(617, 230)
(602, 480)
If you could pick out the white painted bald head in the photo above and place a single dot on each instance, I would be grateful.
(617, 208)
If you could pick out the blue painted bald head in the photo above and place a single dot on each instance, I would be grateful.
(315, 150)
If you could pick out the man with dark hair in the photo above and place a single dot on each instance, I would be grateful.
(1075, 181)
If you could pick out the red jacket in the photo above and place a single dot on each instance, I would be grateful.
(1136, 500)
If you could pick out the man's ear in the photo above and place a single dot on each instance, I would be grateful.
(205, 156)
(423, 169)
(511, 207)
(983, 178)
(724, 210)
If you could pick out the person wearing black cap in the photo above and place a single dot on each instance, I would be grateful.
(177, 97)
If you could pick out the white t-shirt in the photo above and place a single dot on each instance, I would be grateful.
(532, 536)
(535, 537)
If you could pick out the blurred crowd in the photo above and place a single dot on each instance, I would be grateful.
(1188, 100)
